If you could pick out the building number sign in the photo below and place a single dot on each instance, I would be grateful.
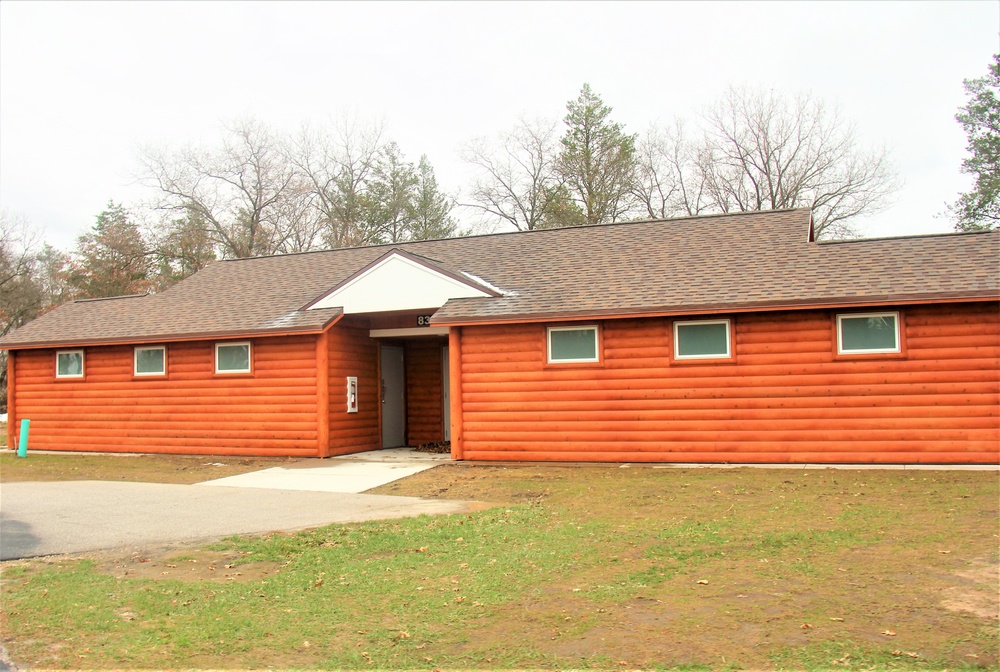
(423, 320)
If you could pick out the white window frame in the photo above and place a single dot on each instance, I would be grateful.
(870, 351)
(581, 327)
(83, 364)
(249, 368)
(677, 341)
(135, 360)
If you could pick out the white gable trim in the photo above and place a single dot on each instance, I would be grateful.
(397, 282)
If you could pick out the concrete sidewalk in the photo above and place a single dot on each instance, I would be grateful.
(50, 518)
(348, 473)
(77, 516)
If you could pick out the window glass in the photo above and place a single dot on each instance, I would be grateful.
(232, 358)
(69, 364)
(573, 344)
(869, 333)
(697, 340)
(150, 361)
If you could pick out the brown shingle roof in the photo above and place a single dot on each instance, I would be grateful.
(723, 263)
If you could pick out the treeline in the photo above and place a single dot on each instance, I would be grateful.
(752, 150)
(260, 193)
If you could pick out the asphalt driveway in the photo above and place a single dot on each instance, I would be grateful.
(50, 518)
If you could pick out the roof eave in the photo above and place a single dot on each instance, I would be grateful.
(176, 337)
(731, 308)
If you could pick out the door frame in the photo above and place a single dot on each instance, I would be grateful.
(446, 392)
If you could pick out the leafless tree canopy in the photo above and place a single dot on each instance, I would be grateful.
(766, 152)
(667, 182)
(762, 151)
(515, 176)
(259, 193)
(244, 191)
(337, 165)
(21, 295)
(752, 150)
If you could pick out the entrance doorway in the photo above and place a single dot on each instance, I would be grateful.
(393, 397)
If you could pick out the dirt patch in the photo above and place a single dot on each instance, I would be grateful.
(188, 565)
(178, 469)
(473, 483)
(977, 592)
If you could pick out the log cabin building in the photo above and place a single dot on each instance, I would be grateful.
(727, 338)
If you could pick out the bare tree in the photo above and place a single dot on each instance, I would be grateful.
(21, 295)
(763, 151)
(515, 176)
(337, 167)
(241, 190)
(667, 175)
(18, 243)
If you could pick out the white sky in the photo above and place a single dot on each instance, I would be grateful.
(84, 84)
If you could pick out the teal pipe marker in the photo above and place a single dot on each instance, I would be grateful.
(22, 447)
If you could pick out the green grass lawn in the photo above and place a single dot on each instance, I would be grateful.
(578, 568)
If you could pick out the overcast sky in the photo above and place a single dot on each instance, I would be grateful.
(84, 84)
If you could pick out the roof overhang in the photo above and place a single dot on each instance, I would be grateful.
(400, 281)
(177, 337)
(842, 303)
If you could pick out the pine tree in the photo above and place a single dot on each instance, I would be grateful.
(979, 209)
(598, 159)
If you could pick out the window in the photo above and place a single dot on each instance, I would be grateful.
(572, 344)
(706, 339)
(151, 361)
(69, 364)
(867, 333)
(232, 357)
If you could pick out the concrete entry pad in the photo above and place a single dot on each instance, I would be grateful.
(346, 473)
(47, 518)
(350, 477)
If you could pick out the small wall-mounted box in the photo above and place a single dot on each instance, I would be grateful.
(352, 394)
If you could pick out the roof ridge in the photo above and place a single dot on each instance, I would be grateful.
(946, 234)
(111, 298)
(631, 222)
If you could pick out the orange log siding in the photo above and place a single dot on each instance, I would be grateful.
(785, 397)
(424, 392)
(191, 411)
(353, 353)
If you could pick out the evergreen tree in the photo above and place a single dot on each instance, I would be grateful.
(113, 259)
(598, 160)
(979, 209)
(388, 196)
(429, 211)
(184, 248)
